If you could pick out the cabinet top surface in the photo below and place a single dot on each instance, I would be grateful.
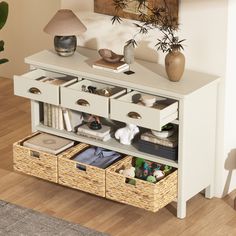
(148, 76)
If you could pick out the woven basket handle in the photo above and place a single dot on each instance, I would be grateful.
(130, 181)
(34, 154)
(80, 167)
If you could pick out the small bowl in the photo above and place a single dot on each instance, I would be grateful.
(109, 56)
(163, 133)
(159, 174)
(148, 100)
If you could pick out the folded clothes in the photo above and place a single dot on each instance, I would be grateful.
(106, 158)
(87, 156)
(98, 157)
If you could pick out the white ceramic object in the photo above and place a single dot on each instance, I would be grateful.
(163, 134)
(148, 100)
(158, 174)
(126, 134)
(130, 173)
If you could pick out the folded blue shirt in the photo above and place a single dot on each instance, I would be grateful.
(98, 157)
(87, 156)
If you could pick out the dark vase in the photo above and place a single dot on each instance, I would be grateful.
(174, 65)
(65, 45)
(94, 125)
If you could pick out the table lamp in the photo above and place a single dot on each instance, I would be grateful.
(64, 26)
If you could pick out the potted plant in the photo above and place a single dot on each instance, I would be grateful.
(3, 19)
(158, 18)
(171, 44)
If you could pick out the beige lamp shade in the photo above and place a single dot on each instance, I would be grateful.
(65, 23)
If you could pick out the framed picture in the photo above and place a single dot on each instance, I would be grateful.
(131, 11)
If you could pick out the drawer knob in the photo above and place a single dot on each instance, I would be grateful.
(134, 115)
(83, 102)
(34, 90)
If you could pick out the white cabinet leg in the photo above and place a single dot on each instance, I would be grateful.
(181, 209)
(209, 192)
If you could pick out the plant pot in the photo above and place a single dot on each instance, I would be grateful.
(174, 65)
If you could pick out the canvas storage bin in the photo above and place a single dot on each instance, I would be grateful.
(150, 196)
(34, 162)
(75, 174)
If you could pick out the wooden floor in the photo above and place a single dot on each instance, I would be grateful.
(204, 217)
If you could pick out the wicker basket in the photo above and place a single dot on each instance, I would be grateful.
(34, 162)
(81, 176)
(150, 196)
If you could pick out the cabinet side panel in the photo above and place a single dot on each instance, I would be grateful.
(35, 115)
(197, 139)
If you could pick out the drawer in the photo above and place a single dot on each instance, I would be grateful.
(142, 194)
(129, 109)
(75, 174)
(41, 85)
(34, 162)
(77, 97)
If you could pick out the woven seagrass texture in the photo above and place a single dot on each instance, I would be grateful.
(44, 166)
(91, 180)
(143, 194)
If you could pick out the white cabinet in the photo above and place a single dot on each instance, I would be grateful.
(189, 103)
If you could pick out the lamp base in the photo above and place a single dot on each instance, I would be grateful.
(65, 46)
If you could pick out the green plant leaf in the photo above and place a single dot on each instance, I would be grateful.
(158, 17)
(3, 13)
(116, 19)
(120, 4)
(142, 3)
(4, 60)
(142, 28)
(182, 40)
(132, 42)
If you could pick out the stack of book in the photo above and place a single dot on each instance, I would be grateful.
(110, 66)
(163, 147)
(171, 141)
(53, 116)
(61, 118)
(102, 134)
(48, 143)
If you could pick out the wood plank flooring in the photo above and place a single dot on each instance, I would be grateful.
(204, 217)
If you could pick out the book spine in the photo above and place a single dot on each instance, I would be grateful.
(104, 139)
(122, 66)
(49, 114)
(54, 114)
(66, 119)
(112, 70)
(157, 141)
(91, 132)
(60, 119)
(57, 117)
(45, 114)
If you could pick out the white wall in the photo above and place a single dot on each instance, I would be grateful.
(23, 33)
(197, 19)
(229, 175)
(204, 25)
